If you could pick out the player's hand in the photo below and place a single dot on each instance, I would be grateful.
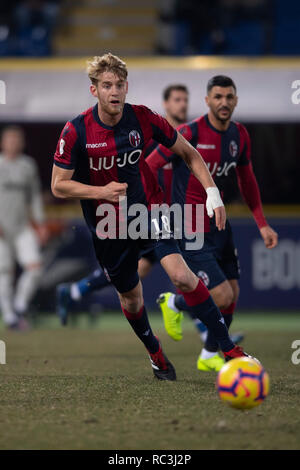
(220, 217)
(113, 191)
(269, 236)
(214, 205)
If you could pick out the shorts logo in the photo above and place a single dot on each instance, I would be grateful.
(204, 277)
(62, 144)
(233, 148)
(134, 138)
(107, 275)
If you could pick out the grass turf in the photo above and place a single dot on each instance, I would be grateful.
(83, 388)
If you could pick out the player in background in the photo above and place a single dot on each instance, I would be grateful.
(175, 104)
(99, 159)
(21, 204)
(225, 147)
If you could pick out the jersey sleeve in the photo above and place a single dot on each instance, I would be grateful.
(245, 155)
(162, 131)
(162, 155)
(159, 158)
(247, 181)
(67, 148)
(186, 131)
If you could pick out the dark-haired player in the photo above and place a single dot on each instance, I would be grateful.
(225, 147)
(175, 103)
(99, 160)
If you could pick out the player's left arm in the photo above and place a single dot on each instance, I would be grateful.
(250, 191)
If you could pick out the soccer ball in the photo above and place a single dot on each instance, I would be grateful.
(243, 383)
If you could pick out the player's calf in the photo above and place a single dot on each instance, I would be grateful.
(132, 301)
(223, 295)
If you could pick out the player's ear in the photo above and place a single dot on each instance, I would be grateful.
(206, 100)
(126, 87)
(93, 90)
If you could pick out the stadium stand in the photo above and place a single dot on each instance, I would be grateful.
(26, 27)
(229, 27)
(90, 26)
(135, 28)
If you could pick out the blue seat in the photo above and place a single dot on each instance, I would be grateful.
(181, 39)
(286, 10)
(286, 37)
(246, 38)
(31, 44)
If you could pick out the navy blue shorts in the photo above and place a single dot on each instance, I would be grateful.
(218, 260)
(119, 258)
(150, 256)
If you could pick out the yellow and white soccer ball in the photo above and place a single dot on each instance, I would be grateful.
(243, 383)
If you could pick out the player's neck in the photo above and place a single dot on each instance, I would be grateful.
(217, 124)
(109, 119)
(10, 155)
(173, 121)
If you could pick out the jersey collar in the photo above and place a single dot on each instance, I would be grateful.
(98, 120)
(213, 128)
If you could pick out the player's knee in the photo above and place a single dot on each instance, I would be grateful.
(236, 292)
(183, 279)
(132, 303)
(225, 300)
(223, 296)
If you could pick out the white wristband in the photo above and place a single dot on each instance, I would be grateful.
(213, 200)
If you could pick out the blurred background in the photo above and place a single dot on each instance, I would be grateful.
(132, 27)
(44, 45)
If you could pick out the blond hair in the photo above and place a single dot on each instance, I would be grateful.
(106, 63)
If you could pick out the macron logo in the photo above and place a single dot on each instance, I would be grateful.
(206, 146)
(96, 146)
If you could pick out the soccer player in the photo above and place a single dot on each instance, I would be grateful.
(21, 204)
(225, 147)
(175, 103)
(99, 159)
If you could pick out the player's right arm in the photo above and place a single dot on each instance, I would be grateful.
(65, 161)
(181, 146)
(250, 191)
(64, 187)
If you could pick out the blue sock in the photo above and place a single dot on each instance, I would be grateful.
(180, 303)
(210, 315)
(96, 281)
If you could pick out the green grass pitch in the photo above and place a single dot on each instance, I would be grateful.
(93, 388)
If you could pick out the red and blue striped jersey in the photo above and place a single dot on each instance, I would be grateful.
(99, 154)
(222, 152)
(164, 174)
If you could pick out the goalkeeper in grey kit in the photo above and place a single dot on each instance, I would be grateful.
(21, 204)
